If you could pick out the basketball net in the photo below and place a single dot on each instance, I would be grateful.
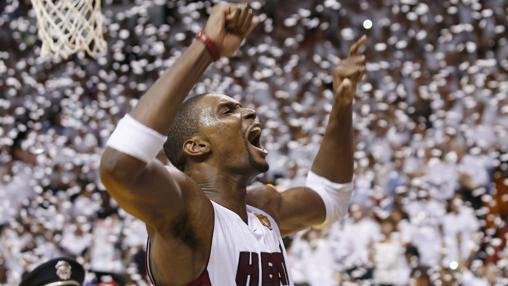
(68, 26)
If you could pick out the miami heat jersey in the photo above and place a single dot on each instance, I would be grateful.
(243, 254)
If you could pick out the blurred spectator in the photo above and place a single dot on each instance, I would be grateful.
(389, 261)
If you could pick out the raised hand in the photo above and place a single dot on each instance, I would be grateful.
(349, 72)
(228, 25)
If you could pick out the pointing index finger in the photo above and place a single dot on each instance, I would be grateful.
(357, 45)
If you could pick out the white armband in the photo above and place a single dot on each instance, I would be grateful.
(334, 195)
(135, 139)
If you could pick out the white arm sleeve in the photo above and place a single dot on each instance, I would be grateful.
(135, 139)
(335, 196)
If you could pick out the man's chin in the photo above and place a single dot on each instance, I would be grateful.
(261, 165)
(258, 159)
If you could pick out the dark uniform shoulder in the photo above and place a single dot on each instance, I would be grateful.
(265, 198)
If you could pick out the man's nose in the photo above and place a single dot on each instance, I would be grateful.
(249, 113)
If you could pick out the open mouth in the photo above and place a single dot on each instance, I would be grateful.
(254, 138)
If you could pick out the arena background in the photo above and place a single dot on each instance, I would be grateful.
(431, 123)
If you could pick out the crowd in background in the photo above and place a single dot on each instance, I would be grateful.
(430, 199)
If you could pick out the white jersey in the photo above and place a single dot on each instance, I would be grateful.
(243, 254)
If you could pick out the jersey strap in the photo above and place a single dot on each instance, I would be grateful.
(147, 264)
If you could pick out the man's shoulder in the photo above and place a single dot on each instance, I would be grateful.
(265, 198)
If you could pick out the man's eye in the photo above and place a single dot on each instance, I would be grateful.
(227, 111)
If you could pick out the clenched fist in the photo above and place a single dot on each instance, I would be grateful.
(228, 25)
(348, 73)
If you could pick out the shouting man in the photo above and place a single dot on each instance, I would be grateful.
(204, 227)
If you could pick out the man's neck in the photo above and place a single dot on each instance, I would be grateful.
(228, 190)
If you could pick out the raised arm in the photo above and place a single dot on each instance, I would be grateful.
(326, 196)
(142, 185)
(334, 160)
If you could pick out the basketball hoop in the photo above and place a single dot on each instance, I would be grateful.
(68, 26)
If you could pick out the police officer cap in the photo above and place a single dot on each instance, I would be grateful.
(56, 272)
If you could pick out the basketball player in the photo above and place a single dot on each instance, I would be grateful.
(204, 227)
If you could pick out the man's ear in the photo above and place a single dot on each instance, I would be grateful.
(196, 147)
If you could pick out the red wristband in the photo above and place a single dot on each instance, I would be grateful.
(210, 46)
